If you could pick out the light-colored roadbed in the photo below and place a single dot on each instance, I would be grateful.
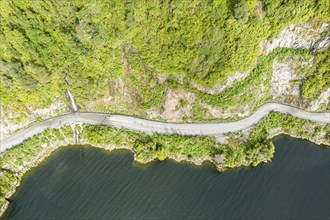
(149, 126)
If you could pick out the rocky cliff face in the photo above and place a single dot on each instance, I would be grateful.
(306, 36)
(287, 80)
(10, 122)
(287, 76)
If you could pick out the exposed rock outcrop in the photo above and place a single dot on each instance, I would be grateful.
(9, 122)
(238, 76)
(286, 84)
(177, 105)
(304, 36)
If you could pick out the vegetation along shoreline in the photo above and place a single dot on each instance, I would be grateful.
(233, 150)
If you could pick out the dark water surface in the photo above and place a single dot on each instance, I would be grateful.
(88, 183)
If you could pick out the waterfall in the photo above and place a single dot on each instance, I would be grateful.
(73, 102)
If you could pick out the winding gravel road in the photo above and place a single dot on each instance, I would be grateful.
(149, 126)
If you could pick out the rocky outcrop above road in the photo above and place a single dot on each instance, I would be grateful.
(238, 76)
(10, 122)
(177, 106)
(287, 80)
(305, 36)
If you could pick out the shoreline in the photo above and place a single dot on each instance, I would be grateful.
(156, 127)
(297, 136)
(42, 156)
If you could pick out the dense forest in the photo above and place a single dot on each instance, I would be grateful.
(92, 47)
(49, 45)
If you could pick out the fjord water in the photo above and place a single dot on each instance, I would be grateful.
(82, 182)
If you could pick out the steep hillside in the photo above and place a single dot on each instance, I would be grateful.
(167, 60)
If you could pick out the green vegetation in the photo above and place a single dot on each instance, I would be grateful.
(258, 147)
(253, 91)
(122, 48)
(14, 160)
(239, 9)
(319, 78)
(239, 151)
(49, 45)
(147, 147)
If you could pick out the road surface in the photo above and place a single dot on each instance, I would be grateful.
(149, 126)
